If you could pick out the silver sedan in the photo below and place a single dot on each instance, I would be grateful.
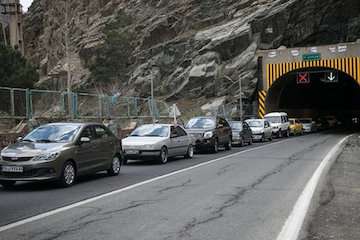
(158, 141)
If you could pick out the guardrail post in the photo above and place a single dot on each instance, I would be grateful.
(12, 102)
(28, 104)
(75, 112)
(100, 106)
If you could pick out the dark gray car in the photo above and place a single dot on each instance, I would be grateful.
(62, 152)
(210, 133)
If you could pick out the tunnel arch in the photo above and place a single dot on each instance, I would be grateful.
(317, 98)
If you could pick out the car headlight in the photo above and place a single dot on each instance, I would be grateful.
(208, 135)
(147, 147)
(46, 157)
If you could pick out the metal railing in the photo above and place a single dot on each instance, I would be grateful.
(17, 103)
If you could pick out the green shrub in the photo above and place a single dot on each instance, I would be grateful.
(15, 71)
(112, 58)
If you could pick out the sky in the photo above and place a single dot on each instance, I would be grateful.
(26, 4)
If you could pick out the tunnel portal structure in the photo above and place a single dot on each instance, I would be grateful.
(311, 81)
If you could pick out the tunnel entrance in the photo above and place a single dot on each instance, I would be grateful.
(315, 92)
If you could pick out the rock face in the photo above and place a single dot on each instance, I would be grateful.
(189, 48)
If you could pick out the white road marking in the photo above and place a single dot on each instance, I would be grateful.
(93, 199)
(295, 221)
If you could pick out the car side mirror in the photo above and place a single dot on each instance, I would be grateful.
(220, 126)
(19, 139)
(84, 140)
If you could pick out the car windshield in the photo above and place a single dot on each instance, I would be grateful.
(52, 133)
(236, 125)
(255, 123)
(202, 123)
(151, 131)
(305, 120)
(274, 119)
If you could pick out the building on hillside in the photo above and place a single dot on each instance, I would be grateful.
(11, 23)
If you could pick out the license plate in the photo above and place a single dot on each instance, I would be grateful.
(14, 169)
(132, 152)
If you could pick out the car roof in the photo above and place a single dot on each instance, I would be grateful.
(276, 114)
(255, 119)
(73, 124)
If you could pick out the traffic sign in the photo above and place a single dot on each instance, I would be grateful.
(331, 77)
(303, 78)
(312, 57)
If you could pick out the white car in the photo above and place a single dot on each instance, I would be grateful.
(309, 125)
(280, 123)
(261, 129)
(158, 141)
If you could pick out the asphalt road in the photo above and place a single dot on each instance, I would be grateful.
(244, 196)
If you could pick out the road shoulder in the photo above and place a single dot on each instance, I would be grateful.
(337, 215)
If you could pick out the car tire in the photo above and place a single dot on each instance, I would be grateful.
(190, 152)
(215, 147)
(68, 175)
(115, 167)
(228, 145)
(163, 157)
(7, 184)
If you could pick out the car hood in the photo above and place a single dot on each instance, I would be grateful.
(139, 141)
(27, 149)
(198, 131)
(256, 129)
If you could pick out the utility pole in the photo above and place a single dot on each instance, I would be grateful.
(240, 100)
(68, 67)
(152, 100)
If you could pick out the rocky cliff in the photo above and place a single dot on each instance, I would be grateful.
(189, 48)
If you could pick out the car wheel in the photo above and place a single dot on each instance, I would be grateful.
(228, 145)
(114, 169)
(7, 184)
(216, 146)
(68, 175)
(190, 152)
(163, 155)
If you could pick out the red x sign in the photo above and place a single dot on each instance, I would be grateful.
(303, 78)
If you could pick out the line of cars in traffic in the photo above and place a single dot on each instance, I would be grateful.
(65, 151)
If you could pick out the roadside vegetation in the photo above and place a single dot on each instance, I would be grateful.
(112, 62)
(15, 70)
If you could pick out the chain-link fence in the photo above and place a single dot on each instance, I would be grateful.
(27, 104)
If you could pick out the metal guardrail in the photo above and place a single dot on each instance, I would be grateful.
(17, 103)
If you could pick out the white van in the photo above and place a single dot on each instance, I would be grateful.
(280, 123)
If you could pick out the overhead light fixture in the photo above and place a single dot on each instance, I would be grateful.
(342, 48)
(295, 52)
(272, 54)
